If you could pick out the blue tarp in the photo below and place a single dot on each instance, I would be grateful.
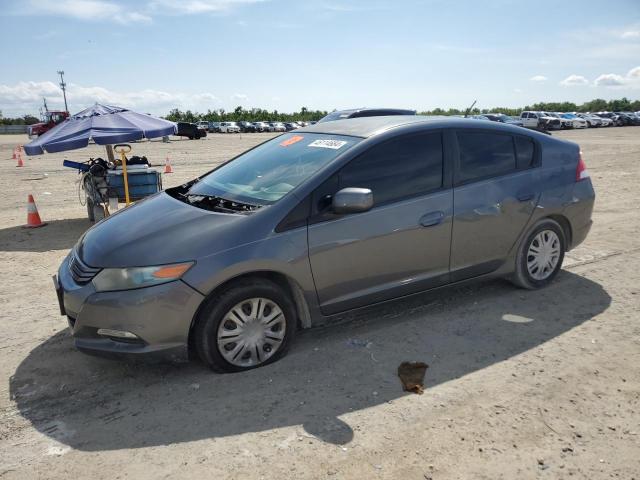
(105, 125)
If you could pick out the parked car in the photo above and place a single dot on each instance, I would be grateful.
(277, 127)
(261, 126)
(565, 123)
(318, 222)
(291, 126)
(615, 119)
(592, 120)
(502, 118)
(577, 122)
(540, 121)
(203, 125)
(229, 127)
(627, 118)
(246, 127)
(364, 112)
(479, 117)
(190, 130)
(214, 127)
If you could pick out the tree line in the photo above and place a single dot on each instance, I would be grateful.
(240, 113)
(258, 114)
(25, 120)
(597, 105)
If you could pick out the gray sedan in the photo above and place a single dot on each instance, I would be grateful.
(319, 221)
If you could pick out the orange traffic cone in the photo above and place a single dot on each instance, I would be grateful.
(20, 162)
(33, 217)
(167, 166)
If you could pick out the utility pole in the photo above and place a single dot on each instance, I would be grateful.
(63, 86)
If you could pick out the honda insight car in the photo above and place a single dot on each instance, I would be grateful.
(319, 221)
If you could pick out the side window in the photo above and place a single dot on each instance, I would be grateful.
(525, 152)
(485, 154)
(397, 169)
(524, 114)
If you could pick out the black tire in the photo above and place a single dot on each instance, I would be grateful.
(213, 312)
(521, 277)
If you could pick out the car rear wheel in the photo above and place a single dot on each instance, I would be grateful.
(540, 256)
(248, 325)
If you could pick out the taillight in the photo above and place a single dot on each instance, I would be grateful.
(581, 170)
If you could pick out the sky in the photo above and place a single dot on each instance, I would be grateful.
(155, 55)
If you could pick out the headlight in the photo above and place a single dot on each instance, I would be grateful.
(111, 279)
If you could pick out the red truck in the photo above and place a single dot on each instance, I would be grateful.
(50, 119)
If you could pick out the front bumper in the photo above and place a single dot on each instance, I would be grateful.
(160, 316)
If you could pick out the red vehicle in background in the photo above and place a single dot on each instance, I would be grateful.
(50, 118)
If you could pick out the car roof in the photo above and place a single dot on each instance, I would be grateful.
(369, 126)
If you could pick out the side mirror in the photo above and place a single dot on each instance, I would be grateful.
(352, 200)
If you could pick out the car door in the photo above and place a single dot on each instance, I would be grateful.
(398, 247)
(497, 187)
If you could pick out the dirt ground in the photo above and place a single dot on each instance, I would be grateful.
(521, 384)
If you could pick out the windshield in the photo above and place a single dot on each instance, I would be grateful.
(268, 172)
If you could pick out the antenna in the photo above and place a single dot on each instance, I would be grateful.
(466, 114)
(63, 86)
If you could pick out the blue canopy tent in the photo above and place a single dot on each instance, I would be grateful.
(105, 125)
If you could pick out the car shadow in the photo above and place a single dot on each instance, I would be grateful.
(55, 235)
(94, 404)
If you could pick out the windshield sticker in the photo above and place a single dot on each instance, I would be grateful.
(291, 141)
(332, 144)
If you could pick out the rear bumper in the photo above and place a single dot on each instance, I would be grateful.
(579, 210)
(159, 316)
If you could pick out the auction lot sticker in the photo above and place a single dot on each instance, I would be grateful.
(291, 141)
(326, 143)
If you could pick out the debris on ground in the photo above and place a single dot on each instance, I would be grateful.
(412, 376)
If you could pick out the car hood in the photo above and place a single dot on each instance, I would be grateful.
(159, 230)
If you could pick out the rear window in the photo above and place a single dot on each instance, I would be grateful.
(485, 155)
(525, 152)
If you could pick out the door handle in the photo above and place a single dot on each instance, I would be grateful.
(525, 197)
(431, 219)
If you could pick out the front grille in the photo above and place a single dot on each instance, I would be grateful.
(80, 271)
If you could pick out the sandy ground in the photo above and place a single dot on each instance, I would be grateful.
(521, 384)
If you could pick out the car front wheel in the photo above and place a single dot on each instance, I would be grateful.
(540, 256)
(247, 325)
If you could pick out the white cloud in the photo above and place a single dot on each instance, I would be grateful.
(613, 80)
(630, 34)
(574, 80)
(92, 10)
(196, 6)
(538, 78)
(634, 73)
(26, 97)
(239, 98)
(609, 80)
(123, 13)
